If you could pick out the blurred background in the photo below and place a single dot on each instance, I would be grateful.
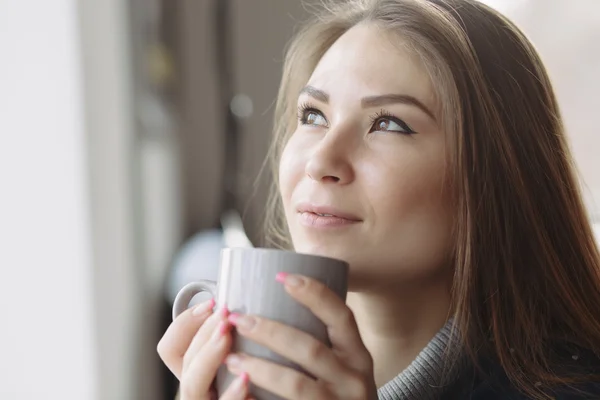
(120, 120)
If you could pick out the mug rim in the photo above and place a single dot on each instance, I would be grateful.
(230, 250)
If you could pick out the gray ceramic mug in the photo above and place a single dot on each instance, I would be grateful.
(247, 285)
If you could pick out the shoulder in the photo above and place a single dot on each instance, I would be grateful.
(493, 384)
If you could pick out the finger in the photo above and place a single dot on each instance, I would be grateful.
(238, 390)
(333, 311)
(282, 381)
(180, 334)
(198, 376)
(203, 334)
(297, 346)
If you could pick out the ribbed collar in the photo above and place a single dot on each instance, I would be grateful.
(434, 369)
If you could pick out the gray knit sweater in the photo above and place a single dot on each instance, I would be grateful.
(436, 366)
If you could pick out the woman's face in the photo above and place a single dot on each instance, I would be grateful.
(363, 175)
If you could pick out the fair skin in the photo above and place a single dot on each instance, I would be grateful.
(368, 155)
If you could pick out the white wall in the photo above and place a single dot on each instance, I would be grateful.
(73, 320)
(119, 311)
(46, 335)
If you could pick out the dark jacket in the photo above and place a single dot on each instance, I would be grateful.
(491, 383)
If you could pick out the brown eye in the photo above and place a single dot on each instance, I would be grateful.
(312, 117)
(382, 125)
(390, 124)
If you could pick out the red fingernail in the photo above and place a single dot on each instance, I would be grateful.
(244, 377)
(280, 277)
(225, 311)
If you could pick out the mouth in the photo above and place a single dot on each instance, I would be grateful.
(325, 216)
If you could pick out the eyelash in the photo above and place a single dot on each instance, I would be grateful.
(306, 107)
(387, 115)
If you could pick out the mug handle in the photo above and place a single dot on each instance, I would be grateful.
(185, 295)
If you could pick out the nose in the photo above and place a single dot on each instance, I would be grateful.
(330, 162)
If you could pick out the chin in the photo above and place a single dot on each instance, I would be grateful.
(341, 245)
(355, 276)
(353, 255)
(324, 250)
(370, 272)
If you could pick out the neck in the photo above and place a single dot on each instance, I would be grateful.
(397, 324)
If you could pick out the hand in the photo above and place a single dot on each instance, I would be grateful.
(193, 348)
(344, 371)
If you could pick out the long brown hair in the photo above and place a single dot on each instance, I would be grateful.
(527, 269)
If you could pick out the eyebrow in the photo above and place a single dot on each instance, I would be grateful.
(315, 93)
(373, 101)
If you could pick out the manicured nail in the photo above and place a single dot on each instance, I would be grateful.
(224, 311)
(203, 308)
(240, 382)
(287, 279)
(280, 277)
(242, 322)
(233, 361)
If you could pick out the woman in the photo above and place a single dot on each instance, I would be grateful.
(420, 141)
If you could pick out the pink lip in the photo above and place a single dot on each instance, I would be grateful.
(325, 216)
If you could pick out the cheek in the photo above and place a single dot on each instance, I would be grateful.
(411, 204)
(404, 182)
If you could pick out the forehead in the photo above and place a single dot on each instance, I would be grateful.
(372, 61)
